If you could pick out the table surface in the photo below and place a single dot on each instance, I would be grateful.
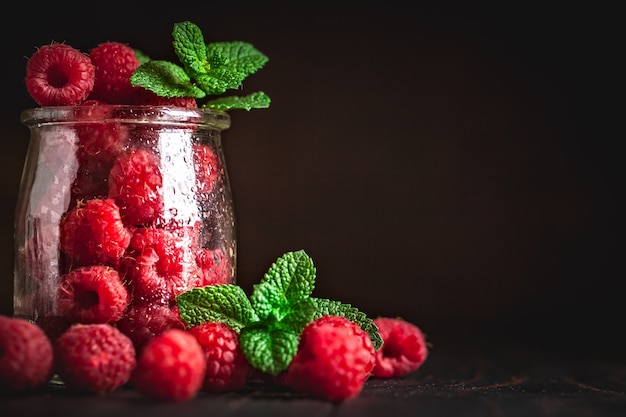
(450, 383)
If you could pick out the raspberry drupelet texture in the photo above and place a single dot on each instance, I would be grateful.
(404, 348)
(215, 267)
(160, 264)
(227, 368)
(115, 62)
(96, 358)
(135, 183)
(26, 356)
(93, 233)
(170, 367)
(59, 75)
(143, 322)
(92, 294)
(335, 357)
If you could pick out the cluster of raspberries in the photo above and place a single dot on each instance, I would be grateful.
(122, 264)
(335, 358)
(124, 257)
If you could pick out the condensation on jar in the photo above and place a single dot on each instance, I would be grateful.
(120, 210)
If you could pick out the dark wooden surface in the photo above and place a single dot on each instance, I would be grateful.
(502, 382)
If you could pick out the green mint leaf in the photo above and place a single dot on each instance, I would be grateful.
(269, 350)
(329, 307)
(222, 303)
(165, 79)
(257, 100)
(218, 80)
(289, 280)
(300, 314)
(190, 48)
(141, 57)
(238, 57)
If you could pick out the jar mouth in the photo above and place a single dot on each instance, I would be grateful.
(122, 113)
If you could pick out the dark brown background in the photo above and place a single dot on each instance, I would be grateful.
(453, 165)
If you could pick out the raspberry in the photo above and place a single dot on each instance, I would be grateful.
(135, 183)
(156, 255)
(215, 267)
(59, 75)
(92, 294)
(96, 358)
(206, 167)
(227, 367)
(115, 62)
(147, 97)
(143, 322)
(170, 367)
(404, 348)
(335, 357)
(99, 140)
(26, 357)
(93, 233)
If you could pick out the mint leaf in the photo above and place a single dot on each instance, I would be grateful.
(239, 57)
(257, 100)
(336, 308)
(288, 281)
(165, 79)
(222, 303)
(141, 57)
(269, 350)
(207, 69)
(190, 48)
(218, 80)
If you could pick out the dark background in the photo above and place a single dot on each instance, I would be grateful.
(456, 165)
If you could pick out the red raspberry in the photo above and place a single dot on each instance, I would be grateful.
(227, 367)
(59, 75)
(156, 255)
(99, 140)
(92, 294)
(207, 167)
(215, 266)
(26, 357)
(93, 233)
(143, 322)
(115, 62)
(404, 348)
(135, 183)
(147, 97)
(335, 357)
(170, 367)
(96, 358)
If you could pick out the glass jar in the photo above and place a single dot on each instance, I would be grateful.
(120, 210)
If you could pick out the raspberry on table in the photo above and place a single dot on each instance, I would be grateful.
(114, 63)
(143, 322)
(93, 233)
(171, 367)
(26, 356)
(59, 75)
(96, 358)
(334, 359)
(404, 348)
(227, 367)
(135, 183)
(92, 294)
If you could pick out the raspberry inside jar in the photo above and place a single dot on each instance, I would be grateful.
(138, 195)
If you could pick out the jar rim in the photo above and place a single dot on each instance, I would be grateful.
(123, 113)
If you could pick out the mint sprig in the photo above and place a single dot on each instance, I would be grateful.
(207, 69)
(271, 320)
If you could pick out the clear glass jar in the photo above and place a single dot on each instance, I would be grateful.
(120, 208)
